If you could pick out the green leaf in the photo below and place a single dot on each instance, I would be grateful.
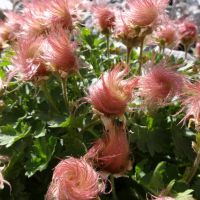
(40, 155)
(185, 195)
(149, 141)
(6, 57)
(9, 135)
(182, 144)
(156, 181)
(40, 129)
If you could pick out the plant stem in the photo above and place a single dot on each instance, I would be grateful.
(108, 45)
(48, 97)
(141, 55)
(163, 51)
(64, 92)
(114, 195)
(186, 50)
(128, 50)
(194, 167)
(160, 49)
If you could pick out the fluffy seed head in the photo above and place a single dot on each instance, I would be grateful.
(34, 27)
(13, 22)
(59, 13)
(105, 18)
(191, 103)
(111, 152)
(36, 19)
(187, 32)
(159, 85)
(111, 93)
(60, 52)
(74, 179)
(10, 27)
(145, 12)
(166, 34)
(129, 35)
(27, 61)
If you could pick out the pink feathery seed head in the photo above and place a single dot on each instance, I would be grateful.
(12, 25)
(36, 7)
(191, 102)
(111, 93)
(105, 18)
(59, 51)
(36, 18)
(59, 13)
(74, 179)
(197, 49)
(145, 12)
(111, 152)
(166, 34)
(34, 26)
(27, 61)
(187, 32)
(77, 10)
(14, 20)
(159, 85)
(128, 34)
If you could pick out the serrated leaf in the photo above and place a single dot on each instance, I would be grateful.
(147, 141)
(9, 135)
(182, 144)
(40, 155)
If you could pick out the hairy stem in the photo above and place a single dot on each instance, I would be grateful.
(186, 50)
(163, 51)
(140, 56)
(64, 92)
(128, 53)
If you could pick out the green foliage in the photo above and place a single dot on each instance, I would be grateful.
(40, 155)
